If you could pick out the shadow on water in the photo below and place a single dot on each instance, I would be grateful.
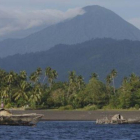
(70, 130)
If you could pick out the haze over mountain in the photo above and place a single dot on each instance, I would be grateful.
(99, 55)
(22, 33)
(96, 22)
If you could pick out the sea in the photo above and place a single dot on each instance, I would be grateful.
(70, 130)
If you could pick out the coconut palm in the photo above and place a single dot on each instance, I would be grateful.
(23, 75)
(113, 75)
(36, 94)
(94, 75)
(72, 82)
(22, 91)
(5, 93)
(47, 72)
(2, 78)
(39, 72)
(80, 81)
(11, 80)
(10, 77)
(51, 74)
(108, 80)
(34, 77)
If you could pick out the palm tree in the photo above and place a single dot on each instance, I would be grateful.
(5, 93)
(33, 77)
(113, 75)
(47, 72)
(2, 78)
(51, 74)
(23, 75)
(94, 75)
(2, 74)
(10, 79)
(72, 82)
(35, 95)
(22, 91)
(39, 72)
(108, 80)
(80, 81)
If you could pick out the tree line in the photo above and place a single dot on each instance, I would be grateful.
(40, 90)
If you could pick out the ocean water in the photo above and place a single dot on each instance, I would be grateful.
(70, 130)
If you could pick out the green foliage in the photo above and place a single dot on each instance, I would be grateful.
(95, 93)
(91, 107)
(137, 106)
(8, 105)
(18, 90)
(67, 107)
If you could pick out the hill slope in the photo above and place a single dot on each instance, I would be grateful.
(96, 22)
(99, 55)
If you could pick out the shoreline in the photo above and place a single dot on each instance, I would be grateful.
(50, 115)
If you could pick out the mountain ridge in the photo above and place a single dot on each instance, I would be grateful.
(97, 55)
(96, 22)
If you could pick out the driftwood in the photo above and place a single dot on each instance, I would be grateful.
(117, 119)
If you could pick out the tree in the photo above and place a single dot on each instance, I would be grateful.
(5, 94)
(34, 77)
(51, 74)
(113, 75)
(95, 93)
(22, 91)
(72, 82)
(125, 96)
(23, 75)
(39, 72)
(94, 75)
(134, 78)
(35, 95)
(80, 81)
(108, 80)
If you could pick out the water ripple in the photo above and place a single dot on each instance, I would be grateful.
(64, 130)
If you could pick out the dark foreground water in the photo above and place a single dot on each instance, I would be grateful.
(59, 130)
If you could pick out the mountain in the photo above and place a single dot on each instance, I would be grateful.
(96, 22)
(96, 55)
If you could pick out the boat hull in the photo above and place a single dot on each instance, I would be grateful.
(21, 120)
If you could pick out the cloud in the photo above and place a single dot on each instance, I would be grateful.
(16, 20)
(135, 22)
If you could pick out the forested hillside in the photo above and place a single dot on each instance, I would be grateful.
(99, 56)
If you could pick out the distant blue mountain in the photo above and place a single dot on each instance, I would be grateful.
(96, 22)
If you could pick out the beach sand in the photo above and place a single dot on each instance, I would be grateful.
(50, 115)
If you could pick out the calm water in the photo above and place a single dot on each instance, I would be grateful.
(70, 131)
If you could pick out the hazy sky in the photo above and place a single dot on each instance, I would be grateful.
(18, 15)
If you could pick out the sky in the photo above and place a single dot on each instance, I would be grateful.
(20, 15)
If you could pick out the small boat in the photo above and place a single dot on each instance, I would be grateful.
(7, 118)
(117, 119)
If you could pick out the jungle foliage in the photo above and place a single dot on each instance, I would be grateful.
(40, 90)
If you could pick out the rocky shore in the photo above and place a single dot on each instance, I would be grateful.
(50, 115)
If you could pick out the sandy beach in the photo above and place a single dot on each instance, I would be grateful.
(77, 115)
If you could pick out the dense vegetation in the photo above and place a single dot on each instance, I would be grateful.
(40, 90)
(98, 55)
